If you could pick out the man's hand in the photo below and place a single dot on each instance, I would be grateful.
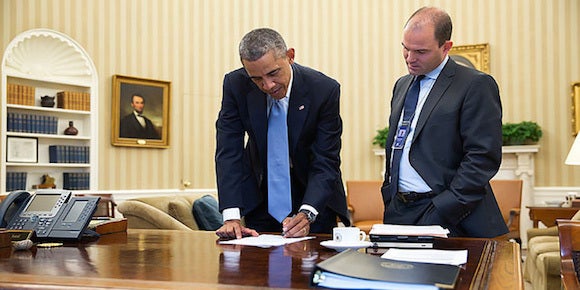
(296, 227)
(234, 229)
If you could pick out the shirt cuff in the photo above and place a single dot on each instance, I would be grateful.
(232, 213)
(309, 208)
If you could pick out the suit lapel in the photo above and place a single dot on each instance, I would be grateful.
(399, 101)
(298, 107)
(441, 84)
(258, 118)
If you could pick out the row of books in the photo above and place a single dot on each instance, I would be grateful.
(76, 180)
(68, 154)
(73, 100)
(15, 181)
(30, 123)
(20, 94)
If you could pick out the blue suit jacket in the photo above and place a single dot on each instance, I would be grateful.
(456, 147)
(314, 133)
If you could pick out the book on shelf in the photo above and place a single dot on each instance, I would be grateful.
(15, 181)
(73, 100)
(68, 154)
(351, 269)
(20, 95)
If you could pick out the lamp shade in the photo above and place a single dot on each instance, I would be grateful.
(574, 154)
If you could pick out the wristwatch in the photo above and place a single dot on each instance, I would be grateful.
(310, 216)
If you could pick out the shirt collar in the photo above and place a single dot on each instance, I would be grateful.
(435, 73)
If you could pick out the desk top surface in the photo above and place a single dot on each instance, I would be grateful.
(181, 259)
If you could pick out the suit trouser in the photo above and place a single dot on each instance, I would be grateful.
(420, 212)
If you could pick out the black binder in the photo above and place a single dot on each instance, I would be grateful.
(373, 269)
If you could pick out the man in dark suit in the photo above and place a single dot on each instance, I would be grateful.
(314, 129)
(135, 125)
(451, 146)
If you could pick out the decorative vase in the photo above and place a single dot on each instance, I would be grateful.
(71, 130)
(47, 101)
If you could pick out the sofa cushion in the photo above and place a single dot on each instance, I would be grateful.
(206, 213)
(542, 244)
(549, 263)
(180, 209)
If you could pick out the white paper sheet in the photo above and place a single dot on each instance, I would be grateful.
(265, 241)
(404, 230)
(449, 257)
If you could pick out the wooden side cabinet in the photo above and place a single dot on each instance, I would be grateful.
(548, 215)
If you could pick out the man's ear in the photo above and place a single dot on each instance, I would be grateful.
(447, 46)
(290, 55)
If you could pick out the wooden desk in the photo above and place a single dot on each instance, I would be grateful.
(193, 260)
(548, 215)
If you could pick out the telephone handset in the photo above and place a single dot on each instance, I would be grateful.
(52, 214)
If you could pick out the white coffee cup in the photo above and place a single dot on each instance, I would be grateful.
(348, 235)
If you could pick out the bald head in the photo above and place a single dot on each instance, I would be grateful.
(432, 17)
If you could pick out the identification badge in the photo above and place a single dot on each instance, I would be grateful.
(402, 132)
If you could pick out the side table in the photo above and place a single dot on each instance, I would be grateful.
(548, 214)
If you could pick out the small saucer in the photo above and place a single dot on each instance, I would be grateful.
(341, 246)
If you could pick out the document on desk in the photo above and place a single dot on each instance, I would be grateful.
(265, 241)
(447, 257)
(354, 270)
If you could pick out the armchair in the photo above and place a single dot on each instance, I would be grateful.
(508, 193)
(365, 203)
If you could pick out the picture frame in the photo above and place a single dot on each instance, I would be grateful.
(21, 149)
(575, 95)
(474, 55)
(140, 112)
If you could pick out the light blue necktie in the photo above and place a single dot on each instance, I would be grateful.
(279, 197)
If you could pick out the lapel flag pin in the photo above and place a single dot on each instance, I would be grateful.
(301, 108)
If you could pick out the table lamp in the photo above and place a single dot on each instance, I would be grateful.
(574, 154)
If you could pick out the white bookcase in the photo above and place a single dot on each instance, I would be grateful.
(49, 62)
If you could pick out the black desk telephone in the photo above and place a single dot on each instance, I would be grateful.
(52, 214)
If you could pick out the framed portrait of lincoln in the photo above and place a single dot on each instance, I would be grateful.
(140, 112)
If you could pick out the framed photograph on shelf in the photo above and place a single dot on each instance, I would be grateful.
(475, 56)
(575, 108)
(140, 116)
(21, 149)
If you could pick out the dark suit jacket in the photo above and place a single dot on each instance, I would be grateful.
(314, 133)
(456, 147)
(131, 128)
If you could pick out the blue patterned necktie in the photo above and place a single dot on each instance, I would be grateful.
(279, 196)
(403, 130)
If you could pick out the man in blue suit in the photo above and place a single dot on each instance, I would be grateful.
(440, 162)
(314, 129)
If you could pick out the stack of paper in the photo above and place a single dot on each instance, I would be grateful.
(404, 230)
(384, 236)
(264, 241)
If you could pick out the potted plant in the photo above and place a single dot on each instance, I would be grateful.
(512, 134)
(525, 132)
(381, 137)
